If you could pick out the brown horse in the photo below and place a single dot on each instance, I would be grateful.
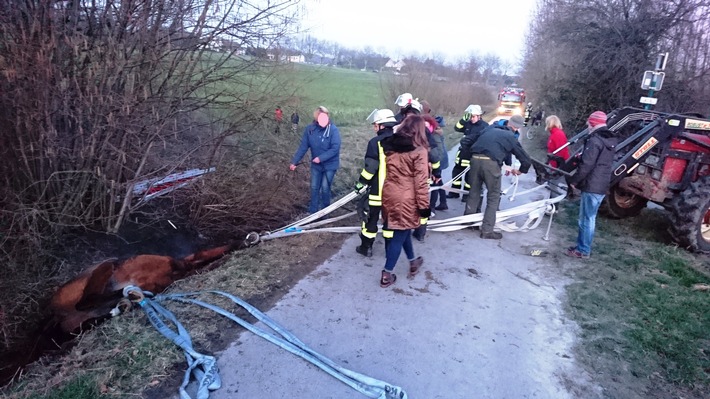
(91, 296)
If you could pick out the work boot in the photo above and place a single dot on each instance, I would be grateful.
(364, 250)
(419, 233)
(492, 235)
(442, 207)
(452, 195)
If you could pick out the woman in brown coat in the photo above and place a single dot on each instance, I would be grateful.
(405, 193)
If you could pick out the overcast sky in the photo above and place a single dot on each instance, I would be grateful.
(452, 28)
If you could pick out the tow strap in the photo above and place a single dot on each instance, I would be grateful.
(204, 367)
(533, 210)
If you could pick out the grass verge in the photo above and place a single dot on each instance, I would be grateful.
(642, 303)
(642, 308)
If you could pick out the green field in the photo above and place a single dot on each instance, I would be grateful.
(350, 95)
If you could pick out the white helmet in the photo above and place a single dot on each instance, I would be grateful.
(416, 105)
(474, 110)
(380, 116)
(404, 99)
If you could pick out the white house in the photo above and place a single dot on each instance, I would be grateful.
(300, 58)
(396, 65)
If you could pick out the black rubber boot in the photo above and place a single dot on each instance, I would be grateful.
(419, 233)
(365, 248)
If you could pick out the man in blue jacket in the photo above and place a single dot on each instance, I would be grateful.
(323, 139)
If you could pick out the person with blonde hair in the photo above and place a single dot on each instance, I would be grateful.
(322, 137)
(557, 139)
(405, 193)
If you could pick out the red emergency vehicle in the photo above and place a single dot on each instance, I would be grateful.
(511, 101)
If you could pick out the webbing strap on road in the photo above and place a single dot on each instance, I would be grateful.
(534, 211)
(204, 367)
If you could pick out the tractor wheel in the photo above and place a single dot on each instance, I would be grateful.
(619, 203)
(690, 217)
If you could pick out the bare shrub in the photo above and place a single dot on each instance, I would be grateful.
(98, 96)
(445, 97)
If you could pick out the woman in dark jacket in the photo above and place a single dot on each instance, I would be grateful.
(323, 139)
(405, 193)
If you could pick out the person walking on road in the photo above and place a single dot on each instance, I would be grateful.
(405, 193)
(323, 139)
(592, 178)
(373, 175)
(491, 149)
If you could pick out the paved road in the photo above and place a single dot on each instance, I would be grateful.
(482, 320)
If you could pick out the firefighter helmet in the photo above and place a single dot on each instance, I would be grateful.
(380, 116)
(404, 99)
(414, 106)
(474, 109)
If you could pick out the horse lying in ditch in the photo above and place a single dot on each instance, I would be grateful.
(93, 295)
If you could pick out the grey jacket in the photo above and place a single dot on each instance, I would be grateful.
(595, 167)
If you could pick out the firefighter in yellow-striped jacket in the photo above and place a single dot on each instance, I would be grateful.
(435, 165)
(373, 175)
(470, 124)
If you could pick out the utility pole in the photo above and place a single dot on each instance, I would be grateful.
(653, 81)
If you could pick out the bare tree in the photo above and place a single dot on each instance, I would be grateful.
(98, 95)
(582, 56)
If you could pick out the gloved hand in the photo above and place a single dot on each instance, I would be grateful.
(424, 213)
(440, 120)
(363, 208)
(358, 186)
(466, 116)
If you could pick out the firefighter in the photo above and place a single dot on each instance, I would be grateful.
(470, 124)
(404, 102)
(373, 175)
(528, 113)
(435, 164)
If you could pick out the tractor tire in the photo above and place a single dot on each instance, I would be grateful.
(619, 203)
(690, 217)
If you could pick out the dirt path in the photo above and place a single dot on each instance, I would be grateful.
(482, 320)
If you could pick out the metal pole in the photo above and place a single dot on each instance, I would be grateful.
(546, 237)
(650, 93)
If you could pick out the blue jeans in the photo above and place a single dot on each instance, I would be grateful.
(321, 181)
(588, 207)
(402, 239)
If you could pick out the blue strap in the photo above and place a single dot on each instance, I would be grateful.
(203, 367)
(368, 386)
